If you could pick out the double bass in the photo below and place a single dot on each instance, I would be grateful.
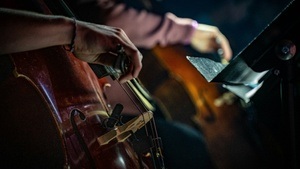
(186, 96)
(54, 114)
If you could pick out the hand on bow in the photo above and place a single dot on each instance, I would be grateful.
(98, 43)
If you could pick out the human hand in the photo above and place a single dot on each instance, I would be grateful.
(99, 44)
(209, 39)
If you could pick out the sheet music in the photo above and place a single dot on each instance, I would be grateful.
(236, 73)
(208, 68)
(237, 77)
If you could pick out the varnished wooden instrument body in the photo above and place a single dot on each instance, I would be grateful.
(187, 97)
(53, 112)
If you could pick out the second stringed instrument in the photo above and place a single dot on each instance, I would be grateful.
(186, 96)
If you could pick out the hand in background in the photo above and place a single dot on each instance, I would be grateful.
(209, 39)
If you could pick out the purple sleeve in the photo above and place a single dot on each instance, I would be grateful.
(148, 30)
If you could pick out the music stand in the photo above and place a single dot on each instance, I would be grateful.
(273, 51)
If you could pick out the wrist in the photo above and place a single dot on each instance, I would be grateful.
(71, 46)
(62, 30)
(191, 32)
(183, 29)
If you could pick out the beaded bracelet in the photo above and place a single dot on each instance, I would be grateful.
(71, 47)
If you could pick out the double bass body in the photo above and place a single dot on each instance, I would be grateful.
(53, 113)
(37, 107)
